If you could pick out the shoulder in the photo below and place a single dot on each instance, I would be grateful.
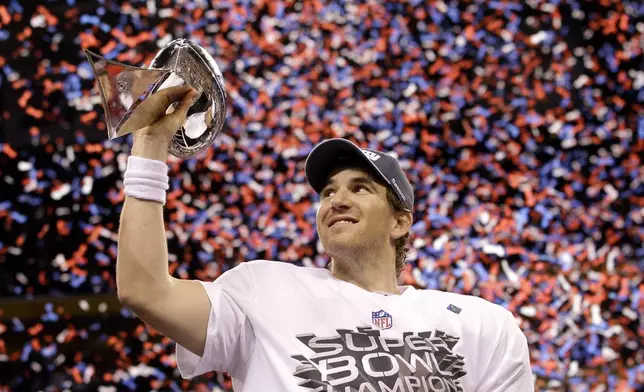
(272, 265)
(259, 276)
(268, 269)
(468, 306)
(258, 271)
(277, 281)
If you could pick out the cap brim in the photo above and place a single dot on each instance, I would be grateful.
(328, 155)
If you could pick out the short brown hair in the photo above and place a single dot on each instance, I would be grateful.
(402, 243)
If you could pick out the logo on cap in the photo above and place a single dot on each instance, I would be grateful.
(371, 155)
(400, 192)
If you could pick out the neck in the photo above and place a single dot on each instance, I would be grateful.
(369, 273)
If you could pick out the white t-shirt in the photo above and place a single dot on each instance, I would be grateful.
(276, 327)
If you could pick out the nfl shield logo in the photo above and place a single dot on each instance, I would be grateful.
(381, 319)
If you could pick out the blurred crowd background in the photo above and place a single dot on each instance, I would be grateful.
(520, 124)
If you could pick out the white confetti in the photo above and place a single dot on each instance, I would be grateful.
(609, 354)
(440, 242)
(20, 277)
(36, 367)
(61, 192)
(595, 314)
(166, 13)
(83, 304)
(573, 368)
(563, 282)
(88, 183)
(25, 166)
(512, 276)
(580, 81)
(528, 311)
(576, 304)
(628, 312)
(38, 21)
(535, 39)
(494, 249)
(60, 338)
(88, 373)
(152, 6)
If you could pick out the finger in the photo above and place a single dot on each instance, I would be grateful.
(183, 106)
(170, 95)
(173, 121)
(187, 101)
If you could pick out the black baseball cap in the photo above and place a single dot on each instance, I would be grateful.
(327, 155)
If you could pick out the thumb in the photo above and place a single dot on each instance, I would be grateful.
(175, 119)
(161, 100)
(180, 112)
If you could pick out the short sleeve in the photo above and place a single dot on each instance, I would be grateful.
(230, 337)
(508, 368)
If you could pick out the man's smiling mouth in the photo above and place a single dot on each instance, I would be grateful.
(342, 220)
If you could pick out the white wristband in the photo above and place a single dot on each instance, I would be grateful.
(146, 179)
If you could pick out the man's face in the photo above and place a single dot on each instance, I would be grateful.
(354, 213)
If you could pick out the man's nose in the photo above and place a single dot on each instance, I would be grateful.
(341, 199)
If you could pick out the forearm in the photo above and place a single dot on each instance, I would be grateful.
(142, 261)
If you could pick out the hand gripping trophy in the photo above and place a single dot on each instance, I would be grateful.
(125, 88)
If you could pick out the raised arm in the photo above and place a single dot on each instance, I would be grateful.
(177, 308)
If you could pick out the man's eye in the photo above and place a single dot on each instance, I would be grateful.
(361, 187)
(327, 193)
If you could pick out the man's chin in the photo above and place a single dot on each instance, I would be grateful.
(341, 247)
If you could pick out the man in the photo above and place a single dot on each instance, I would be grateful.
(277, 327)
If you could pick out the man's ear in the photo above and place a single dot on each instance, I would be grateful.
(402, 224)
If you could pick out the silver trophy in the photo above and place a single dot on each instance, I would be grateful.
(124, 87)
